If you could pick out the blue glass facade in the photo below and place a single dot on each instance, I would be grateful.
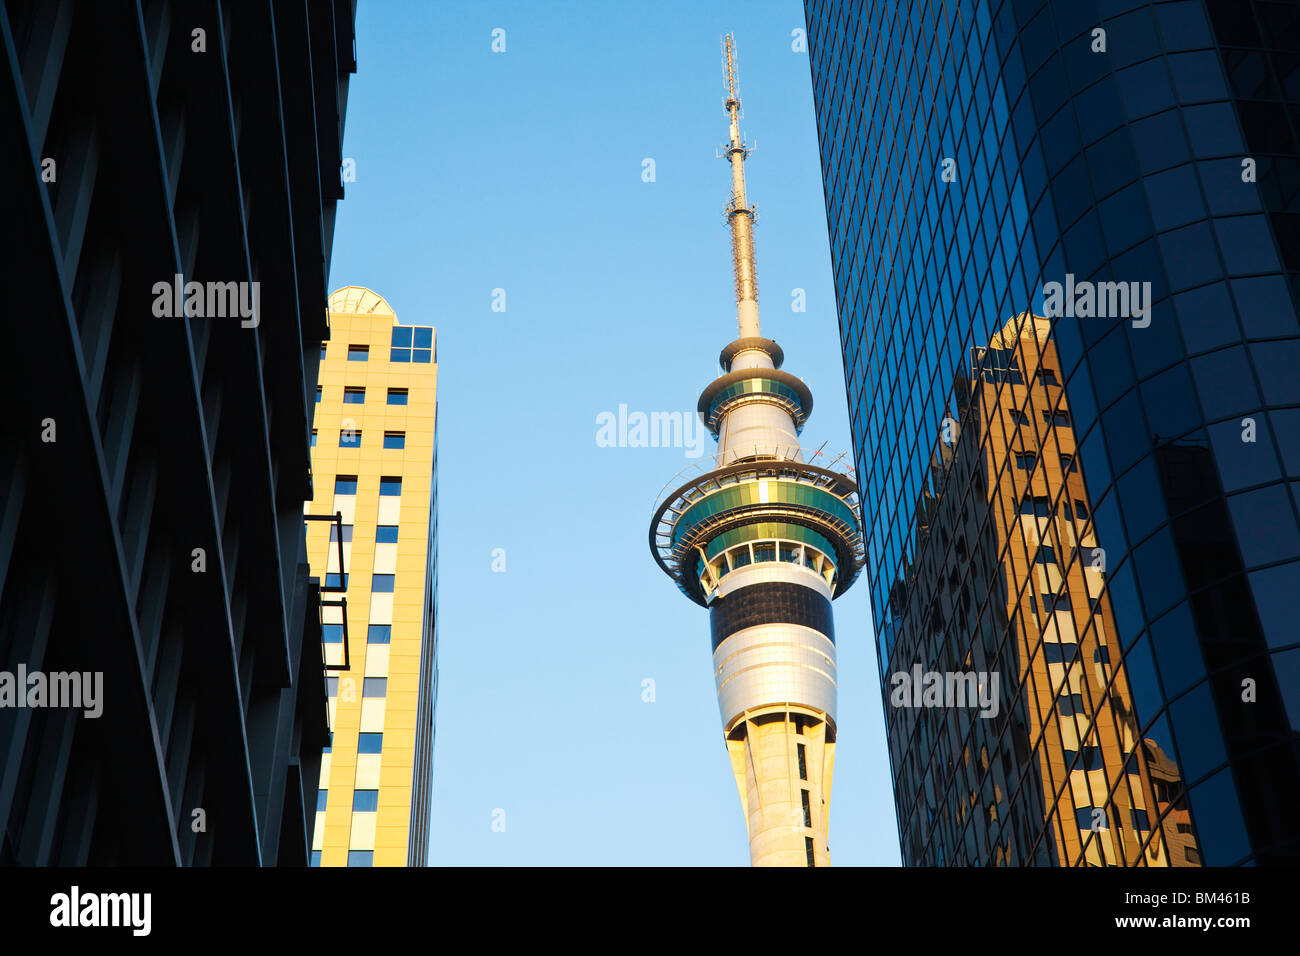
(975, 154)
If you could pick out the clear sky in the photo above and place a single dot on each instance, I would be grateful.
(523, 171)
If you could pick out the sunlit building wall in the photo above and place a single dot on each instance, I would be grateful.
(374, 463)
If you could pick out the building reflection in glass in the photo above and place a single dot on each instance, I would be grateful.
(1011, 578)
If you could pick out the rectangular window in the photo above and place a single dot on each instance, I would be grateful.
(358, 353)
(365, 800)
(315, 857)
(382, 584)
(331, 687)
(332, 580)
(1080, 509)
(349, 438)
(370, 743)
(390, 486)
(808, 849)
(386, 534)
(1019, 417)
(379, 634)
(1047, 376)
(318, 394)
(1025, 461)
(1046, 554)
(397, 396)
(1061, 418)
(1055, 652)
(354, 396)
(803, 764)
(322, 351)
(313, 438)
(347, 533)
(394, 439)
(361, 857)
(332, 633)
(345, 485)
(807, 810)
(423, 345)
(1067, 463)
(322, 797)
(374, 687)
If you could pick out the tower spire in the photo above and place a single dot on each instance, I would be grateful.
(740, 214)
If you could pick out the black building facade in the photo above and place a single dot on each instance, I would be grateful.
(985, 163)
(154, 447)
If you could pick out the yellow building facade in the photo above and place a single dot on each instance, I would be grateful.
(374, 463)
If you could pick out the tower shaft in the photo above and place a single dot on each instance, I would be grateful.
(740, 215)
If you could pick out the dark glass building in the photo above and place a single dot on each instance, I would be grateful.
(171, 172)
(1066, 245)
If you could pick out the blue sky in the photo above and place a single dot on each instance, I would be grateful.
(522, 171)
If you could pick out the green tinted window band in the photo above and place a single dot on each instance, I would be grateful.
(779, 492)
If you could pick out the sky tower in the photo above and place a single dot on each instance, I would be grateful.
(765, 540)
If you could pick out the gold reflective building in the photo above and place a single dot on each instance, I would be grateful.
(374, 464)
(1061, 775)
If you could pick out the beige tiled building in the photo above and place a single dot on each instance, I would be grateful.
(374, 463)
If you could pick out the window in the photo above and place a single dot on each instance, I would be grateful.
(381, 584)
(1080, 509)
(1055, 652)
(374, 687)
(1035, 505)
(365, 800)
(1056, 418)
(370, 743)
(386, 534)
(331, 687)
(1070, 705)
(1067, 463)
(347, 533)
(322, 351)
(808, 849)
(390, 486)
(350, 438)
(332, 580)
(803, 764)
(1046, 554)
(318, 394)
(345, 485)
(1084, 817)
(332, 633)
(412, 344)
(807, 810)
(394, 439)
(354, 396)
(1019, 417)
(1140, 819)
(313, 438)
(322, 796)
(358, 353)
(315, 857)
(379, 634)
(1025, 460)
(397, 396)
(1047, 376)
(361, 857)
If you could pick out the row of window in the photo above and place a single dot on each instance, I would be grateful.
(384, 534)
(361, 353)
(752, 552)
(379, 584)
(375, 633)
(362, 800)
(366, 744)
(351, 438)
(347, 485)
(370, 686)
(357, 396)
